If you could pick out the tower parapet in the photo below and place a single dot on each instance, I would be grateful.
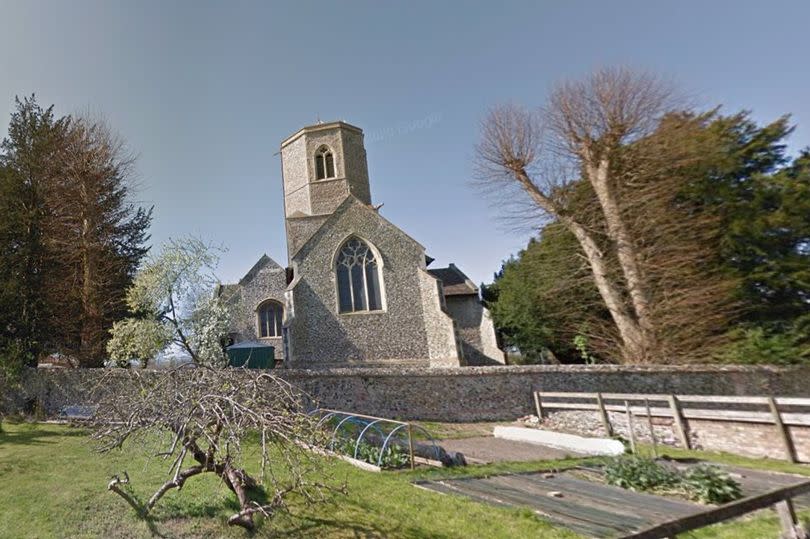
(320, 165)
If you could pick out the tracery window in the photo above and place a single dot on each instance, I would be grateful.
(324, 163)
(358, 278)
(270, 314)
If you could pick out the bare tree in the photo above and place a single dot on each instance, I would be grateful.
(206, 415)
(599, 132)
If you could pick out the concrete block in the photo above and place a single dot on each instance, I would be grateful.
(560, 440)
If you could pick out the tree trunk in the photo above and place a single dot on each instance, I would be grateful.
(632, 336)
(90, 316)
(599, 177)
(239, 482)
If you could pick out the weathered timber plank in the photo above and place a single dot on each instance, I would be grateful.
(616, 500)
(603, 414)
(579, 517)
(787, 441)
(583, 508)
(788, 418)
(719, 514)
(657, 505)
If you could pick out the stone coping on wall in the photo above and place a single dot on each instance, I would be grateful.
(483, 393)
(490, 370)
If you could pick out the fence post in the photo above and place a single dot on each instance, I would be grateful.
(630, 427)
(652, 429)
(790, 451)
(679, 422)
(537, 405)
(604, 415)
(410, 446)
(791, 529)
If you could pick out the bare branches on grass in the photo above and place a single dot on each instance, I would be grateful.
(205, 420)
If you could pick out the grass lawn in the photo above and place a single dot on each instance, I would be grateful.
(53, 485)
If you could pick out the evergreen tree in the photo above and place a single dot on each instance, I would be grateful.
(70, 239)
(95, 240)
(26, 171)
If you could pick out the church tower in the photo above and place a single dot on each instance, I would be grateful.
(320, 165)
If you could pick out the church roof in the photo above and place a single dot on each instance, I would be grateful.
(454, 281)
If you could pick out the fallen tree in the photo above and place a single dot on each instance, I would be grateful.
(199, 419)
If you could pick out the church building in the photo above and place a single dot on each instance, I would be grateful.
(356, 290)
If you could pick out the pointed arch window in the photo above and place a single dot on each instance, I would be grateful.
(324, 163)
(358, 278)
(270, 315)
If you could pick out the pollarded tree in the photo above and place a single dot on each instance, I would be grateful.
(174, 301)
(606, 158)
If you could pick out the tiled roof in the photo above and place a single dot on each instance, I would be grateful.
(454, 282)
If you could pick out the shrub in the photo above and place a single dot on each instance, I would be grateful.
(394, 456)
(639, 473)
(758, 345)
(705, 483)
(709, 484)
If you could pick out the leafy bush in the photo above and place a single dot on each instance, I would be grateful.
(756, 345)
(394, 456)
(705, 483)
(709, 484)
(639, 473)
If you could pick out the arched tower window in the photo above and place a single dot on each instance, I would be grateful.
(270, 315)
(358, 278)
(324, 163)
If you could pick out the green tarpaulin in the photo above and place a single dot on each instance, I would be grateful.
(251, 355)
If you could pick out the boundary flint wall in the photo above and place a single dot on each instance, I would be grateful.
(466, 393)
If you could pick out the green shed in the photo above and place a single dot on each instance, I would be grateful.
(253, 355)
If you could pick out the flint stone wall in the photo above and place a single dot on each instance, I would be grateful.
(410, 329)
(492, 393)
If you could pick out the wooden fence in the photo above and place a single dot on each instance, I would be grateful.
(781, 412)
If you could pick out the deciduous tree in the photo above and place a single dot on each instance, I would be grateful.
(752, 248)
(175, 304)
(200, 420)
(600, 158)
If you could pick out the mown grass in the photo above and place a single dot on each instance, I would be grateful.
(52, 484)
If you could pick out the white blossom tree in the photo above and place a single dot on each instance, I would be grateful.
(175, 305)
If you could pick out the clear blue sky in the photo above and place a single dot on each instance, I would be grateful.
(205, 91)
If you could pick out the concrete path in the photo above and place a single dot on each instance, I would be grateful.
(486, 449)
